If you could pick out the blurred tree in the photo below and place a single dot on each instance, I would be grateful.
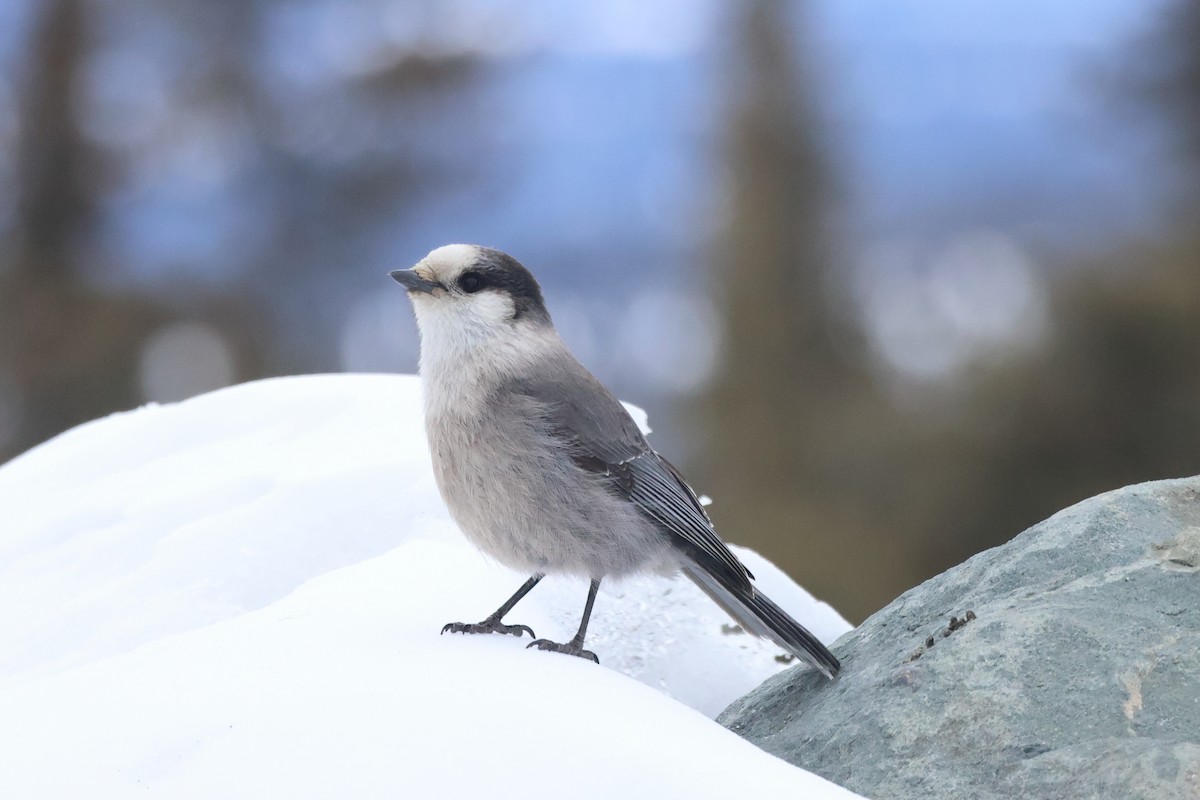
(786, 459)
(55, 204)
(1173, 80)
(1111, 400)
(66, 353)
(810, 461)
(192, 182)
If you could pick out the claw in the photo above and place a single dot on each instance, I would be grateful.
(571, 648)
(488, 626)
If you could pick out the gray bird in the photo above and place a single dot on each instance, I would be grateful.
(540, 465)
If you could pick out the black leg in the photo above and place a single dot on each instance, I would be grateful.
(492, 624)
(575, 646)
(587, 612)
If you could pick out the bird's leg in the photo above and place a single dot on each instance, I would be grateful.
(575, 646)
(493, 624)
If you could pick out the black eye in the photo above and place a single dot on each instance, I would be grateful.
(470, 282)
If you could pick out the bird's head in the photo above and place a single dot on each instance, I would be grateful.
(468, 295)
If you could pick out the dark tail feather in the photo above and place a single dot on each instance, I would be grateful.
(761, 617)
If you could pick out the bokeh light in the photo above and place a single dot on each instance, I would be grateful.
(931, 312)
(185, 359)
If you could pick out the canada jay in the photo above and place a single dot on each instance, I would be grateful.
(543, 469)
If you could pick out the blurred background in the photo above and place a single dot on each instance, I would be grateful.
(893, 280)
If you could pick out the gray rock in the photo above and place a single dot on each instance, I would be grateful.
(1076, 672)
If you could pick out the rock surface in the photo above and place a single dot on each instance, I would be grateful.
(1076, 672)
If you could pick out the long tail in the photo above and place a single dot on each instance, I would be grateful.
(756, 613)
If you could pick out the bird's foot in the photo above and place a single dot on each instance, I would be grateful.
(571, 648)
(489, 625)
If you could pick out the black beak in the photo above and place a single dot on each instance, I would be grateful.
(413, 282)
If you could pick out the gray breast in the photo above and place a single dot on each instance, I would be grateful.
(519, 497)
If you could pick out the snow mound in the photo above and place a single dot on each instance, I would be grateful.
(241, 595)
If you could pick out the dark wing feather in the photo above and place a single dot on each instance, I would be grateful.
(603, 438)
(661, 494)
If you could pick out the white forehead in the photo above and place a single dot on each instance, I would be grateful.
(450, 259)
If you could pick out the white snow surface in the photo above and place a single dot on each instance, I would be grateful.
(240, 595)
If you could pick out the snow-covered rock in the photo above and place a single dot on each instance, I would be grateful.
(241, 595)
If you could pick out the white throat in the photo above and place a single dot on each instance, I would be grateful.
(463, 358)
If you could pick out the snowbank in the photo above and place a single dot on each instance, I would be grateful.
(240, 596)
